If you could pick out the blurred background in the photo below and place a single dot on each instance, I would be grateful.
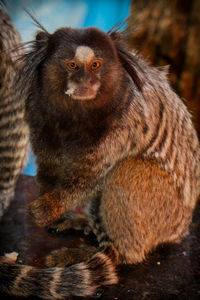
(53, 14)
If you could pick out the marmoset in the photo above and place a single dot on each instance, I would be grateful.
(109, 133)
(13, 128)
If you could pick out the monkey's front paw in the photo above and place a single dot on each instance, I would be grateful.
(39, 212)
(71, 220)
(46, 209)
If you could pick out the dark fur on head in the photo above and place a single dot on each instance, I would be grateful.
(43, 48)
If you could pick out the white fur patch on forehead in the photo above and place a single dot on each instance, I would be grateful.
(84, 54)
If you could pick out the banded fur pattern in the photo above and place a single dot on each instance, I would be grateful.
(13, 128)
(162, 130)
(172, 141)
(82, 279)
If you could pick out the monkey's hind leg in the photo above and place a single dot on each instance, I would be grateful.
(141, 208)
(68, 256)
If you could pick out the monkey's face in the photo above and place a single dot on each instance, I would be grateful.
(81, 65)
(84, 74)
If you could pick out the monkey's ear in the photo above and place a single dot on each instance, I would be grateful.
(42, 36)
(41, 41)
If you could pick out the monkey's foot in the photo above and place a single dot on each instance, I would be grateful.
(67, 256)
(71, 220)
(47, 209)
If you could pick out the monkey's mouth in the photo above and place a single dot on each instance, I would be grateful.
(83, 93)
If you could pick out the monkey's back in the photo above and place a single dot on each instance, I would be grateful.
(168, 136)
(13, 129)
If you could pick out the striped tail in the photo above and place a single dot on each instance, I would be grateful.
(82, 279)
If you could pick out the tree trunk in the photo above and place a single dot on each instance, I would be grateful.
(168, 33)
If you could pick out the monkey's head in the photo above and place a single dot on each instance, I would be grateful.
(79, 65)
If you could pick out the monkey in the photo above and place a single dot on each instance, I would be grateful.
(13, 127)
(109, 134)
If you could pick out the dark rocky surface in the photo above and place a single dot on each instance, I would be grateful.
(170, 272)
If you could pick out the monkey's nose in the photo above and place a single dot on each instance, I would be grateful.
(84, 80)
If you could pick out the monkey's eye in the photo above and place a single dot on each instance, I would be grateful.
(72, 65)
(96, 65)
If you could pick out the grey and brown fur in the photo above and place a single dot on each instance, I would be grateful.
(13, 129)
(110, 133)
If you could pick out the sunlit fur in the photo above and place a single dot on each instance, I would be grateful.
(107, 131)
